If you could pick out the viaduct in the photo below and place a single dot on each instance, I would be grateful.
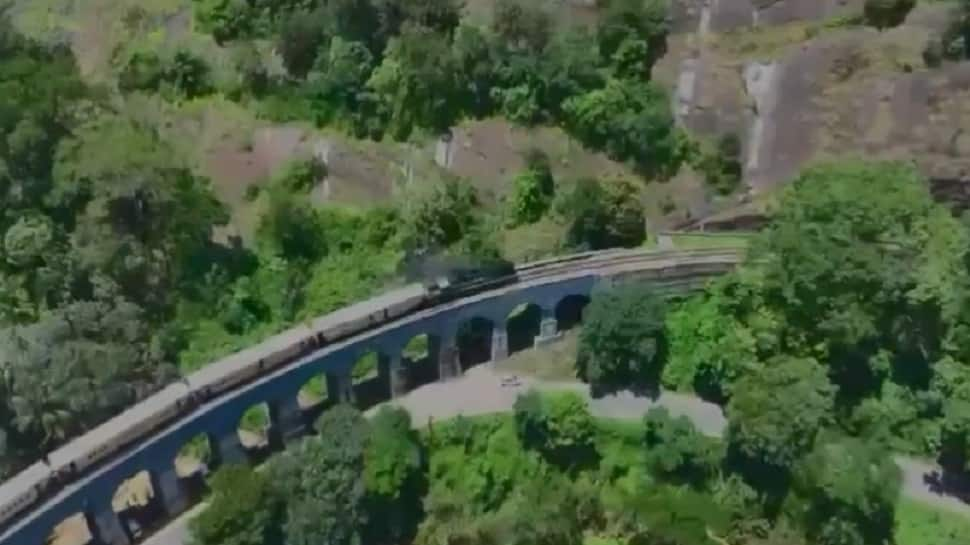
(555, 300)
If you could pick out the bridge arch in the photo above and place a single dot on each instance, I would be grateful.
(569, 311)
(474, 339)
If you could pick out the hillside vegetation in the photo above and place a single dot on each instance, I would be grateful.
(180, 179)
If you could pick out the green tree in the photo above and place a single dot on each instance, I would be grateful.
(630, 121)
(850, 489)
(887, 13)
(774, 416)
(339, 79)
(440, 16)
(954, 453)
(142, 215)
(476, 58)
(602, 215)
(77, 366)
(622, 343)
(559, 426)
(676, 450)
(634, 20)
(302, 35)
(224, 19)
(438, 214)
(292, 229)
(710, 348)
(323, 477)
(866, 272)
(521, 25)
(243, 510)
(393, 477)
(417, 84)
(532, 190)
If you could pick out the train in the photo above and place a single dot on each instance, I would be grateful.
(65, 464)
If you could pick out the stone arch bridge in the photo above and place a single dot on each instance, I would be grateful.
(552, 299)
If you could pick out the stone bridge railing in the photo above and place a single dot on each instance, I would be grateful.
(557, 295)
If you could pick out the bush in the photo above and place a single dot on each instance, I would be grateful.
(721, 164)
(224, 19)
(532, 190)
(933, 54)
(184, 75)
(302, 176)
(602, 215)
(887, 13)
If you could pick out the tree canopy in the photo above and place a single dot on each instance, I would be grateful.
(623, 342)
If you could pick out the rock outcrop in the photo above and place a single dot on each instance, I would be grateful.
(802, 80)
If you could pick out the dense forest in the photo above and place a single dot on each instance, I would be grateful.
(840, 342)
(843, 339)
(110, 253)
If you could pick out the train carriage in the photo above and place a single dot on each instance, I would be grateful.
(251, 362)
(369, 313)
(111, 436)
(22, 490)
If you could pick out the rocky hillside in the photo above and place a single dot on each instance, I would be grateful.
(803, 80)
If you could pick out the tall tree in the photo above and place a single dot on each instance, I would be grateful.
(774, 417)
(243, 510)
(79, 365)
(850, 489)
(622, 343)
(602, 214)
(676, 450)
(143, 215)
(393, 477)
(417, 83)
(559, 426)
(323, 477)
(866, 272)
(630, 121)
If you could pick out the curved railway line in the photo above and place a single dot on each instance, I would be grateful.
(81, 476)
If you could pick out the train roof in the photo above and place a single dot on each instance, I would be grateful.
(231, 363)
(136, 414)
(22, 481)
(369, 306)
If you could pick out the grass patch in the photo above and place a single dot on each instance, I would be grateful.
(919, 524)
(555, 361)
(771, 40)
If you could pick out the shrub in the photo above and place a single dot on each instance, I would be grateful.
(887, 13)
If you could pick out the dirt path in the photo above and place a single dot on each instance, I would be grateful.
(480, 391)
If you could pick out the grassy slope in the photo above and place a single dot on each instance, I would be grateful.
(918, 524)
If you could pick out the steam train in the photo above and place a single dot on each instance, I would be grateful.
(70, 461)
(65, 464)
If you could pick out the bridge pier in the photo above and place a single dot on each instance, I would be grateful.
(228, 448)
(106, 526)
(286, 421)
(449, 366)
(548, 328)
(500, 343)
(397, 375)
(340, 386)
(169, 491)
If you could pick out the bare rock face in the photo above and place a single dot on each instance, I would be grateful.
(798, 83)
